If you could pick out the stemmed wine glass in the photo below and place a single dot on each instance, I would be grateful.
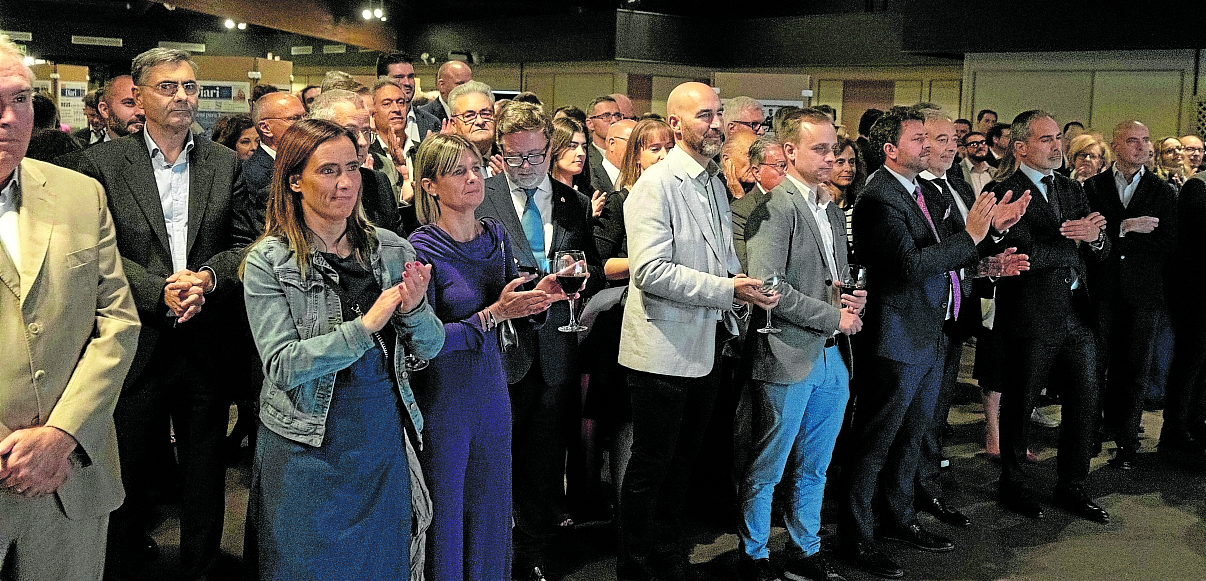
(570, 266)
(770, 285)
(854, 278)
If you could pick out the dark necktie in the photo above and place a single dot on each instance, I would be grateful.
(1049, 183)
(956, 289)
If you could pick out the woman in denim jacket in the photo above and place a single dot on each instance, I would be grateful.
(335, 305)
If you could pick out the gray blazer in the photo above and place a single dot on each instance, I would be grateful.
(784, 237)
(680, 282)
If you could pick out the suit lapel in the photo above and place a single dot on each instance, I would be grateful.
(810, 223)
(563, 216)
(1023, 184)
(498, 200)
(1112, 197)
(34, 227)
(697, 205)
(140, 181)
(200, 182)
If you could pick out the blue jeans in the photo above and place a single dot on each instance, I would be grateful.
(800, 421)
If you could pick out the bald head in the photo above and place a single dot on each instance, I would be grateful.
(451, 75)
(1132, 146)
(625, 105)
(696, 118)
(617, 141)
(275, 113)
(1193, 151)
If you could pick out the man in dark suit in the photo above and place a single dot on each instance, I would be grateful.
(1141, 222)
(274, 114)
(1044, 317)
(541, 217)
(451, 75)
(913, 251)
(94, 131)
(396, 66)
(600, 115)
(170, 195)
(770, 167)
(1183, 436)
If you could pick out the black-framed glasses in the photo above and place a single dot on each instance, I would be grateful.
(754, 126)
(470, 117)
(290, 119)
(613, 117)
(1195, 150)
(532, 159)
(170, 88)
(977, 143)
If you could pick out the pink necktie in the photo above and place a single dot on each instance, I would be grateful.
(956, 290)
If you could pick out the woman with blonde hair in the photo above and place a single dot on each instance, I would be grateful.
(1169, 162)
(335, 305)
(474, 289)
(1089, 156)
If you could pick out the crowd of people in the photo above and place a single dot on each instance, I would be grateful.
(391, 293)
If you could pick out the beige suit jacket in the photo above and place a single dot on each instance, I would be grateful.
(68, 329)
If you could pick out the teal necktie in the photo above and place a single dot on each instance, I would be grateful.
(533, 227)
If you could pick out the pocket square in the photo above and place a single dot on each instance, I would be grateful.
(947, 214)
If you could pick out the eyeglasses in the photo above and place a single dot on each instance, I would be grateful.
(368, 134)
(291, 119)
(469, 117)
(532, 159)
(169, 88)
(977, 143)
(1194, 150)
(612, 116)
(1087, 156)
(781, 166)
(754, 126)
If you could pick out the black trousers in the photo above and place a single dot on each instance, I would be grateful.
(182, 386)
(541, 416)
(931, 444)
(669, 418)
(1185, 397)
(1026, 372)
(1127, 365)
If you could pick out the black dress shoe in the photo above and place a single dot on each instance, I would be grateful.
(1124, 458)
(868, 557)
(943, 511)
(814, 567)
(1072, 498)
(535, 574)
(1021, 502)
(914, 536)
(758, 570)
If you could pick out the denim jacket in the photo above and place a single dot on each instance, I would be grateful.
(299, 330)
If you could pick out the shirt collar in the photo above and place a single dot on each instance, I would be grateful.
(11, 188)
(271, 152)
(909, 185)
(1035, 175)
(692, 167)
(545, 185)
(808, 193)
(1118, 175)
(155, 151)
(929, 176)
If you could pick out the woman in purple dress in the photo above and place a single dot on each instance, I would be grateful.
(468, 453)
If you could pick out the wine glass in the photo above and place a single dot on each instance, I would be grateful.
(570, 266)
(854, 277)
(770, 284)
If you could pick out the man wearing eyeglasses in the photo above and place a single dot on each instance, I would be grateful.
(273, 114)
(473, 118)
(170, 196)
(975, 167)
(769, 166)
(1193, 152)
(541, 217)
(601, 113)
(744, 114)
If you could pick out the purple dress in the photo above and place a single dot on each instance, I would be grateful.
(467, 451)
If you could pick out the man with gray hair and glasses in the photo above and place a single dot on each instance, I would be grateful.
(472, 106)
(170, 196)
(744, 114)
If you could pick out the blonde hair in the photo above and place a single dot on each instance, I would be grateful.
(436, 157)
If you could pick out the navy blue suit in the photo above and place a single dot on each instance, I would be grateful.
(908, 288)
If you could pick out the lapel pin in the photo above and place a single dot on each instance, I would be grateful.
(562, 198)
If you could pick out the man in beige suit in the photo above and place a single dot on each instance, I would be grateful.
(68, 329)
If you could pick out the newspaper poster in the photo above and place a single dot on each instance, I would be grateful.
(71, 104)
(218, 98)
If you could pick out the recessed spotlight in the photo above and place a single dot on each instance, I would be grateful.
(367, 14)
(382, 19)
(229, 23)
(242, 26)
(377, 13)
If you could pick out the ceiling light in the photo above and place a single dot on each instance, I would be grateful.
(367, 14)
(382, 19)
(242, 26)
(229, 23)
(377, 13)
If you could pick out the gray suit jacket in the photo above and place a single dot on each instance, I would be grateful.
(783, 236)
(680, 269)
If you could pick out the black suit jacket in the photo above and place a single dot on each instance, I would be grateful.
(257, 173)
(250, 210)
(599, 180)
(744, 210)
(1189, 250)
(123, 167)
(970, 317)
(430, 116)
(1134, 270)
(1037, 302)
(908, 284)
(571, 231)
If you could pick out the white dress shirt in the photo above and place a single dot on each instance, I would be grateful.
(1126, 190)
(271, 152)
(821, 217)
(1037, 176)
(613, 172)
(544, 203)
(172, 180)
(10, 236)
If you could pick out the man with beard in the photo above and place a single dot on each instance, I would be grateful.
(118, 109)
(913, 251)
(976, 170)
(681, 298)
(962, 128)
(473, 118)
(1045, 318)
(998, 143)
(542, 217)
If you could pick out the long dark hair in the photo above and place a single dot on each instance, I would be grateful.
(851, 192)
(285, 218)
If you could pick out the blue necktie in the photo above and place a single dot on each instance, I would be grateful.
(533, 227)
